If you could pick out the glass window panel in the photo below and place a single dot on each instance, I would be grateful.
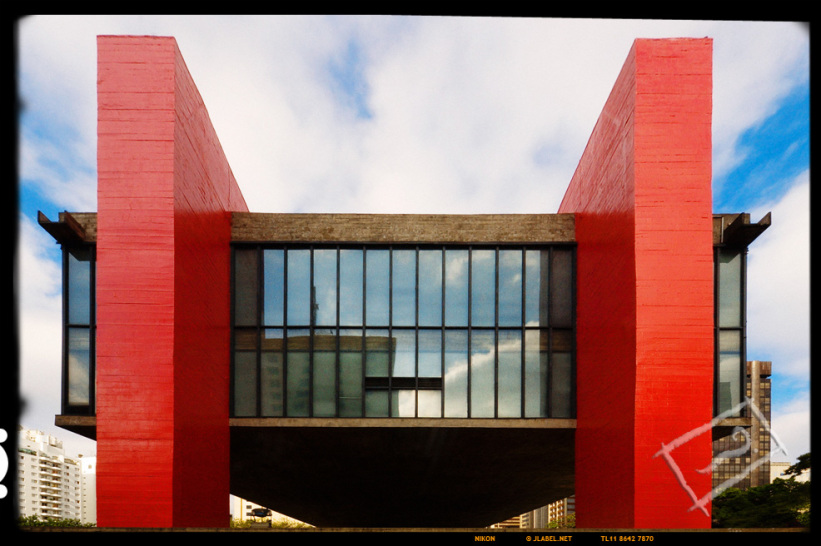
(561, 378)
(456, 287)
(245, 339)
(562, 287)
(246, 278)
(430, 403)
(273, 309)
(245, 384)
(324, 382)
(79, 360)
(351, 277)
(730, 369)
(482, 373)
(456, 373)
(298, 378)
(430, 287)
(483, 288)
(403, 403)
(729, 288)
(430, 353)
(404, 288)
(536, 359)
(404, 362)
(79, 286)
(299, 287)
(376, 403)
(536, 290)
(350, 373)
(510, 373)
(510, 287)
(377, 296)
(325, 286)
(378, 349)
(272, 383)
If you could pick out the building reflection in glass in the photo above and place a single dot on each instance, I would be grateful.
(335, 331)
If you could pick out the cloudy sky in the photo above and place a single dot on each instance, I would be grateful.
(421, 115)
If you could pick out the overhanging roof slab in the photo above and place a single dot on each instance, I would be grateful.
(402, 472)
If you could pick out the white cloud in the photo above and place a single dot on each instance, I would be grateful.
(778, 282)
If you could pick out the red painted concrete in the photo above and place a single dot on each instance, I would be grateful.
(644, 318)
(164, 192)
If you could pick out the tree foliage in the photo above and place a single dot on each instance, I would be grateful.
(782, 503)
(36, 521)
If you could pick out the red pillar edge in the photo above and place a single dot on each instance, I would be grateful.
(642, 198)
(165, 192)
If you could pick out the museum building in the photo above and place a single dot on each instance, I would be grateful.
(369, 370)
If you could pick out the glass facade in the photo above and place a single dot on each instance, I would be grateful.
(78, 330)
(730, 298)
(403, 331)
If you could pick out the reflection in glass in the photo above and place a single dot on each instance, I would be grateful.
(403, 403)
(561, 285)
(245, 287)
(377, 278)
(729, 369)
(79, 285)
(536, 290)
(456, 287)
(482, 373)
(350, 373)
(272, 374)
(430, 403)
(298, 373)
(430, 353)
(404, 364)
(536, 359)
(729, 288)
(325, 287)
(376, 403)
(79, 362)
(456, 373)
(299, 287)
(510, 287)
(273, 305)
(245, 384)
(324, 382)
(429, 332)
(483, 288)
(350, 287)
(430, 287)
(404, 288)
(510, 373)
(560, 381)
(378, 349)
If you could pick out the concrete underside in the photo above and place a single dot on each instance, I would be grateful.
(336, 472)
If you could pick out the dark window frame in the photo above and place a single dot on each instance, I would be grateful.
(718, 328)
(395, 383)
(66, 407)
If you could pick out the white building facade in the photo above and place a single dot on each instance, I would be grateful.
(49, 482)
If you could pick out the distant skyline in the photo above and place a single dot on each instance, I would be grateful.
(400, 114)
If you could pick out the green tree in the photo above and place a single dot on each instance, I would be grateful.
(36, 521)
(783, 503)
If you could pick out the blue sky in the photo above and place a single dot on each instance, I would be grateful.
(417, 114)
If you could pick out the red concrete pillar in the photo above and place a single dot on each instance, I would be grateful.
(642, 195)
(164, 195)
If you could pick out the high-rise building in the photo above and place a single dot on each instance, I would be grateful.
(48, 481)
(741, 459)
(88, 489)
